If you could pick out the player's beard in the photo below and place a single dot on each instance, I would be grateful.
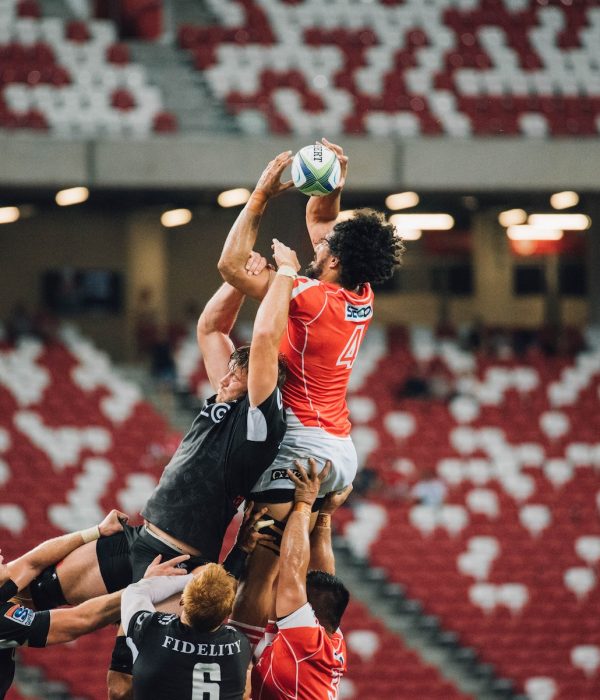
(314, 270)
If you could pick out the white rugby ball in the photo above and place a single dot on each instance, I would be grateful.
(316, 170)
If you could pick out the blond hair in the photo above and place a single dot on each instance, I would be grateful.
(208, 597)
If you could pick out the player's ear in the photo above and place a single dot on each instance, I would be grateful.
(334, 263)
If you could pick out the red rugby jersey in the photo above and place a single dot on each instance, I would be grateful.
(302, 662)
(326, 327)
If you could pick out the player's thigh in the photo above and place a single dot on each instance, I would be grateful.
(280, 513)
(79, 575)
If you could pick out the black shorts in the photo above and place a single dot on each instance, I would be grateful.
(114, 561)
(143, 548)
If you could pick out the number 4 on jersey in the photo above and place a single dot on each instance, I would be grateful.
(349, 353)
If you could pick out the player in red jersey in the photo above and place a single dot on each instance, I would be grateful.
(307, 657)
(330, 310)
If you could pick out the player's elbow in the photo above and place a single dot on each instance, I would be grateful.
(266, 336)
(228, 268)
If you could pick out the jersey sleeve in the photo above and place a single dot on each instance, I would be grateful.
(22, 626)
(307, 300)
(302, 631)
(267, 419)
(139, 625)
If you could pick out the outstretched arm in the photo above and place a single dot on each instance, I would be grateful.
(295, 544)
(24, 569)
(270, 323)
(322, 212)
(242, 236)
(214, 326)
(321, 550)
(67, 624)
(145, 593)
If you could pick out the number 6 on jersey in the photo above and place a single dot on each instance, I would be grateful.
(201, 690)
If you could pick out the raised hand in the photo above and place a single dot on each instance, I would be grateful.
(269, 183)
(256, 263)
(334, 500)
(112, 523)
(308, 485)
(284, 255)
(339, 152)
(249, 534)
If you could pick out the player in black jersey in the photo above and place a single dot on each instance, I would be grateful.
(191, 657)
(20, 625)
(231, 442)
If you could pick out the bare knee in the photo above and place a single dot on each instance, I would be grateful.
(119, 686)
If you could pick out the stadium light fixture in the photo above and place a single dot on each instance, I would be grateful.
(526, 232)
(564, 200)
(176, 217)
(409, 234)
(8, 215)
(423, 222)
(512, 217)
(402, 200)
(73, 195)
(233, 198)
(568, 222)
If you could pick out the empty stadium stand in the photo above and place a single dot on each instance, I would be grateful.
(481, 67)
(510, 560)
(73, 78)
(473, 67)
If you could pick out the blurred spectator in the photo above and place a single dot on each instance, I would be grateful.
(19, 323)
(146, 322)
(430, 490)
(162, 364)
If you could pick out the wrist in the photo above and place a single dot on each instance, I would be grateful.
(324, 520)
(303, 507)
(257, 202)
(91, 534)
(287, 271)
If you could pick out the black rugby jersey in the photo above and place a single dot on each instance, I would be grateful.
(217, 463)
(174, 661)
(18, 626)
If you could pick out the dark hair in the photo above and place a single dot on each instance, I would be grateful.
(240, 359)
(328, 597)
(367, 247)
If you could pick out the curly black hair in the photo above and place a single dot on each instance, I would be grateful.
(367, 247)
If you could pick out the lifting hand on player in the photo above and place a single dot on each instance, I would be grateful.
(339, 152)
(308, 484)
(334, 500)
(112, 523)
(284, 255)
(249, 534)
(166, 568)
(269, 183)
(256, 263)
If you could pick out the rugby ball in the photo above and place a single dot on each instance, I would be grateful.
(316, 170)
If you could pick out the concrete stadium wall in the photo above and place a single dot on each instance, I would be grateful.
(179, 265)
(221, 161)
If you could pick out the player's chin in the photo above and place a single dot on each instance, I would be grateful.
(311, 272)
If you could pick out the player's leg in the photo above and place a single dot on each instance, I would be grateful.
(119, 679)
(94, 569)
(255, 599)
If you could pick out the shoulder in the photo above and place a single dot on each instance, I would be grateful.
(304, 616)
(306, 289)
